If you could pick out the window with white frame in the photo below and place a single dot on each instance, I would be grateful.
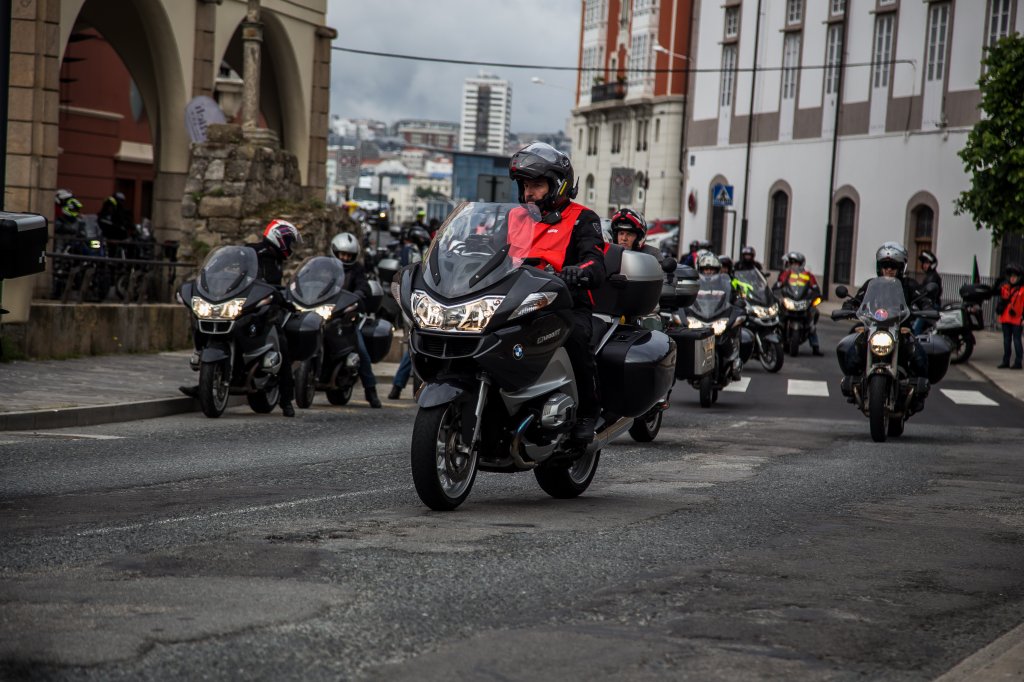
(640, 53)
(833, 54)
(886, 3)
(616, 137)
(938, 31)
(883, 50)
(641, 7)
(838, 7)
(732, 22)
(790, 62)
(794, 11)
(999, 20)
(594, 13)
(728, 75)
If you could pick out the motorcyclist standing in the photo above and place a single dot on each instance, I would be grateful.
(345, 248)
(572, 244)
(890, 261)
(630, 231)
(114, 219)
(415, 240)
(794, 271)
(279, 237)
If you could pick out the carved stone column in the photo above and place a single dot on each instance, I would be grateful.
(252, 37)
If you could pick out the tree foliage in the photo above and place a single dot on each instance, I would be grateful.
(994, 153)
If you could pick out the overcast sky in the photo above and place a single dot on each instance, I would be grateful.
(505, 31)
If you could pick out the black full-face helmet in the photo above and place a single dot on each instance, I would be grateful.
(748, 254)
(540, 161)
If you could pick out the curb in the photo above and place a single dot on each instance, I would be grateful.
(1002, 659)
(111, 413)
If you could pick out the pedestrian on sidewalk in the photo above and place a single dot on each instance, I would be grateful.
(1010, 307)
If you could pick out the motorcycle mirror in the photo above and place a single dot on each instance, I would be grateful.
(668, 265)
(842, 291)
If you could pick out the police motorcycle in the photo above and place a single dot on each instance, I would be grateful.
(713, 310)
(798, 310)
(488, 329)
(762, 321)
(237, 343)
(885, 392)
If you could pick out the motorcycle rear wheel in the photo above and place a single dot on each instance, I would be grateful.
(772, 356)
(264, 401)
(213, 389)
(645, 428)
(566, 481)
(442, 470)
(878, 416)
(962, 349)
(339, 396)
(707, 389)
(305, 383)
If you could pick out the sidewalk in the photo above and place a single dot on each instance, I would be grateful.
(49, 394)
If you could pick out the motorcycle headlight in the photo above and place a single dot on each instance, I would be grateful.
(882, 343)
(719, 326)
(694, 324)
(773, 309)
(789, 304)
(324, 311)
(534, 302)
(228, 310)
(759, 311)
(471, 316)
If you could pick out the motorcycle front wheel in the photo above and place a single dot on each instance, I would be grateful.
(566, 481)
(772, 356)
(213, 389)
(305, 383)
(962, 349)
(646, 427)
(707, 390)
(339, 396)
(443, 466)
(878, 415)
(264, 401)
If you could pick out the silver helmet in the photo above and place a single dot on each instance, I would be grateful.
(893, 255)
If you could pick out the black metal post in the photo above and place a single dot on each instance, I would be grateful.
(5, 82)
(750, 127)
(826, 273)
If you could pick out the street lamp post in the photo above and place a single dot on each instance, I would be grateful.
(658, 47)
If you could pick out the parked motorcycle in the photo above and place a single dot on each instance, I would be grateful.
(884, 391)
(762, 319)
(799, 311)
(713, 310)
(333, 365)
(90, 278)
(958, 321)
(499, 392)
(237, 344)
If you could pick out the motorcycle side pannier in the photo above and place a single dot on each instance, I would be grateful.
(387, 268)
(938, 349)
(636, 367)
(695, 350)
(680, 291)
(376, 296)
(304, 335)
(633, 286)
(976, 293)
(378, 335)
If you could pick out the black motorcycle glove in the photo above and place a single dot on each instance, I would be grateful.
(575, 276)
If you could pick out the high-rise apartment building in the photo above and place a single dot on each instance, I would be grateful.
(486, 114)
(631, 104)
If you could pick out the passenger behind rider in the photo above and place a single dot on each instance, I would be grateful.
(793, 272)
(890, 261)
(345, 248)
(928, 264)
(572, 245)
(272, 251)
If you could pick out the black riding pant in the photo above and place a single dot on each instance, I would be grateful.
(581, 356)
(285, 377)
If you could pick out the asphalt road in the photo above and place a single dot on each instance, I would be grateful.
(764, 538)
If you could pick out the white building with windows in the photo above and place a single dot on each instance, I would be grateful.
(486, 114)
(855, 117)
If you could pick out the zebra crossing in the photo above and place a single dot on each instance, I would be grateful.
(809, 388)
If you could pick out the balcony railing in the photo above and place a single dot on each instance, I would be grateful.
(606, 92)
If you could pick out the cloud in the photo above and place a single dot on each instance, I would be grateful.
(520, 32)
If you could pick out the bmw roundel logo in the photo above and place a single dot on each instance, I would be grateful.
(517, 351)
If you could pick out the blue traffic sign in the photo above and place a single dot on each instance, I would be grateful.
(721, 195)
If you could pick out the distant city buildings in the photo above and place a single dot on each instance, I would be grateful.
(486, 114)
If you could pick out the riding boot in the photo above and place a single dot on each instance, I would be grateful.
(583, 430)
(190, 391)
(395, 393)
(287, 409)
(371, 397)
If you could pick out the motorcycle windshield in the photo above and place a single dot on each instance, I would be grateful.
(758, 292)
(227, 272)
(319, 279)
(91, 228)
(883, 303)
(712, 297)
(480, 244)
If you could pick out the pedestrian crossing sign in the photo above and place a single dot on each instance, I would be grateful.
(721, 195)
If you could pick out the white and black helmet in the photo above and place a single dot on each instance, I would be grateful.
(345, 243)
(891, 254)
(706, 260)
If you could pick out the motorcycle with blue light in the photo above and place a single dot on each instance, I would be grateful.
(233, 326)
(881, 385)
(488, 329)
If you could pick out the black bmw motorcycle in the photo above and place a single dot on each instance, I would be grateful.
(762, 319)
(713, 310)
(237, 345)
(799, 310)
(499, 392)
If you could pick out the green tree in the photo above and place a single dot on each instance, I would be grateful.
(994, 153)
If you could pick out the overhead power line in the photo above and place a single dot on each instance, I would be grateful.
(548, 67)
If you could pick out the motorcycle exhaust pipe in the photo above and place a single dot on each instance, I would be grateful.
(609, 432)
